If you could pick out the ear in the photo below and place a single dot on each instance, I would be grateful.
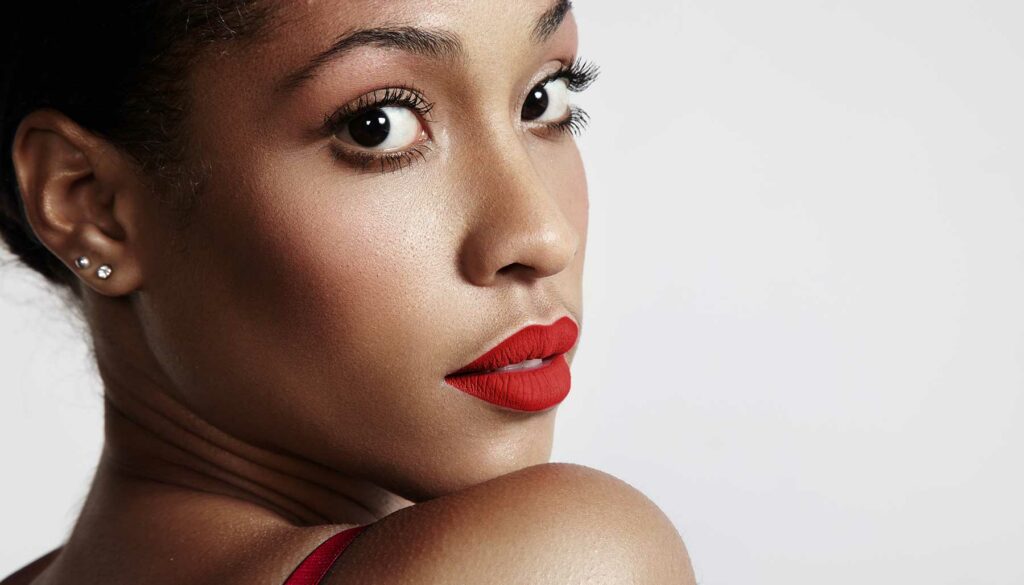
(82, 198)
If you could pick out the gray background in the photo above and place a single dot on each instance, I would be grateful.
(804, 329)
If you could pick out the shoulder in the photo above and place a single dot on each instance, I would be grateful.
(26, 574)
(553, 523)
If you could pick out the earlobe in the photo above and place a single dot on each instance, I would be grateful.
(106, 265)
(70, 181)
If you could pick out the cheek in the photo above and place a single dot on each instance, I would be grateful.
(347, 282)
(323, 309)
(334, 304)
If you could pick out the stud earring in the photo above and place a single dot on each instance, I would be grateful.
(104, 271)
(82, 262)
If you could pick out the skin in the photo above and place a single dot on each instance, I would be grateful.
(274, 372)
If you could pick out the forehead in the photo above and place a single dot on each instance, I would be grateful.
(488, 32)
(294, 16)
(302, 29)
(238, 84)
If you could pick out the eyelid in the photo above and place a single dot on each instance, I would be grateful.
(579, 73)
(399, 95)
(405, 96)
(387, 161)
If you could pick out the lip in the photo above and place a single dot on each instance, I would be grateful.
(532, 389)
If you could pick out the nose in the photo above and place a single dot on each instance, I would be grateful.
(518, 228)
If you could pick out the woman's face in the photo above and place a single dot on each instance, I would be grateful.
(317, 305)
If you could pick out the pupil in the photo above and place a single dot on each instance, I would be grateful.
(536, 103)
(371, 128)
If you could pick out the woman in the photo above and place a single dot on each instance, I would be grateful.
(330, 254)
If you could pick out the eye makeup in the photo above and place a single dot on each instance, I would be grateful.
(335, 123)
(578, 76)
(579, 73)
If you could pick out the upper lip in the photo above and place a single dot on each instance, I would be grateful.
(531, 342)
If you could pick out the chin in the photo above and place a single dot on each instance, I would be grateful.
(462, 467)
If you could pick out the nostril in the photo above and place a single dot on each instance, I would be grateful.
(512, 267)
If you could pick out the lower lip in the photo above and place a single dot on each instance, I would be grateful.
(530, 390)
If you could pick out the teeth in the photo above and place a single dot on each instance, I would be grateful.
(523, 365)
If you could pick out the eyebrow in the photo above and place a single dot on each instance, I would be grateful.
(432, 43)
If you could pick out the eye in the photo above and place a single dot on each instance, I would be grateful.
(547, 102)
(382, 128)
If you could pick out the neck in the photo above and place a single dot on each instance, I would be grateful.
(156, 439)
(152, 436)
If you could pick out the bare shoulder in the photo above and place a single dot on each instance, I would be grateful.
(26, 574)
(551, 523)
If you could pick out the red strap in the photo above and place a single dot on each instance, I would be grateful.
(315, 565)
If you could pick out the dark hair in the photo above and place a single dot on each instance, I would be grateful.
(118, 69)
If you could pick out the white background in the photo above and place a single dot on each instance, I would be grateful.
(804, 303)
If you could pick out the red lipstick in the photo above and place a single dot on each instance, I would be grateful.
(536, 386)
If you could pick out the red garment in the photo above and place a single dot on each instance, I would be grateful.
(313, 568)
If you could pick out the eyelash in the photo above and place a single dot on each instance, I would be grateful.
(405, 96)
(579, 75)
